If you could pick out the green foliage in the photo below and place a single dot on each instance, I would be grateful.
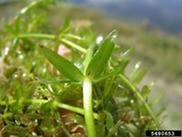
(63, 65)
(101, 57)
(84, 93)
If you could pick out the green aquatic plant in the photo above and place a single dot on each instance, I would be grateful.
(82, 90)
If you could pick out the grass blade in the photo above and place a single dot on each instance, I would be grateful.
(64, 66)
(126, 53)
(139, 76)
(101, 57)
(44, 81)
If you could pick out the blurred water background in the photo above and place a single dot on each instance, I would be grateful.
(164, 14)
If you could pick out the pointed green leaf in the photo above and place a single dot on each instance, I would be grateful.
(64, 66)
(156, 100)
(48, 106)
(109, 120)
(162, 112)
(89, 55)
(7, 27)
(67, 95)
(118, 69)
(135, 70)
(65, 27)
(145, 91)
(101, 57)
(139, 76)
(53, 81)
(126, 53)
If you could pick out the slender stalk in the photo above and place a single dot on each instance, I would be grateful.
(49, 36)
(76, 109)
(88, 111)
(71, 44)
(27, 8)
(73, 36)
(139, 96)
(55, 104)
(36, 35)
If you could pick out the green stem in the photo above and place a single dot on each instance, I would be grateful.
(71, 44)
(73, 36)
(49, 36)
(139, 96)
(56, 104)
(36, 35)
(24, 10)
(88, 111)
(76, 109)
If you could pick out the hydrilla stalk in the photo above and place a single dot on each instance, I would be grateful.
(139, 96)
(53, 37)
(39, 102)
(88, 111)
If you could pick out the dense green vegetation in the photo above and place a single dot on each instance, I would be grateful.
(161, 49)
(39, 99)
(158, 51)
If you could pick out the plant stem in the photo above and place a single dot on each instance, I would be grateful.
(49, 36)
(36, 35)
(88, 111)
(76, 109)
(56, 104)
(71, 44)
(73, 36)
(139, 96)
(27, 8)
